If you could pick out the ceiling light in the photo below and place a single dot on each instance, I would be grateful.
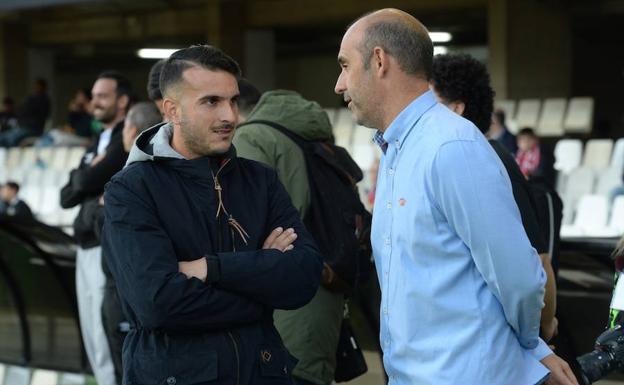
(155, 53)
(440, 37)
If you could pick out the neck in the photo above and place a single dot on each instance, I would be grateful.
(177, 143)
(116, 121)
(409, 91)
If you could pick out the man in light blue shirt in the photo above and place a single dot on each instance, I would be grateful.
(462, 288)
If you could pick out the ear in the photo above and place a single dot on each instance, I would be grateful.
(171, 111)
(122, 102)
(457, 107)
(380, 61)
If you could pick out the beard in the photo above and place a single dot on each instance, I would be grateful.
(106, 116)
(201, 141)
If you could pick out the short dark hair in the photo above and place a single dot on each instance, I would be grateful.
(205, 56)
(153, 81)
(144, 115)
(41, 82)
(460, 77)
(412, 49)
(249, 96)
(527, 131)
(13, 185)
(124, 87)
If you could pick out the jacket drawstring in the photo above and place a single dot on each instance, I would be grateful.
(221, 207)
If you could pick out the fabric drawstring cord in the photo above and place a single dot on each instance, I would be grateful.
(221, 207)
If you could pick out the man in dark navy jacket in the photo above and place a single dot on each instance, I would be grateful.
(204, 245)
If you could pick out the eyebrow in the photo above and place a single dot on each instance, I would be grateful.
(215, 98)
(341, 59)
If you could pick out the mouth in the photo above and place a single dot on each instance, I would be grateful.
(223, 130)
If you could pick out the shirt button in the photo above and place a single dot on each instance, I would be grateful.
(391, 171)
(389, 205)
(397, 143)
(385, 310)
(387, 241)
(171, 380)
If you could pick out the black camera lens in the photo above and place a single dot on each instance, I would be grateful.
(595, 365)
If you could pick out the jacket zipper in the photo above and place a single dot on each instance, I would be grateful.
(237, 358)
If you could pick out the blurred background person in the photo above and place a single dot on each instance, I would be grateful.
(11, 205)
(498, 131)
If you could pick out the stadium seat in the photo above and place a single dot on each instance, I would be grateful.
(507, 105)
(591, 217)
(608, 179)
(568, 155)
(551, 119)
(343, 128)
(17, 375)
(331, 114)
(579, 182)
(363, 149)
(73, 157)
(59, 160)
(616, 222)
(617, 158)
(14, 157)
(528, 113)
(579, 116)
(597, 153)
(29, 157)
(44, 377)
(72, 379)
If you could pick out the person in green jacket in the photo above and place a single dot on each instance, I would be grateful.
(311, 332)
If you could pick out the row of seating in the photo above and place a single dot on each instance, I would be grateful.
(550, 117)
(41, 172)
(19, 375)
(596, 217)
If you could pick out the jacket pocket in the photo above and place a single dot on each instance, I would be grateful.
(275, 363)
(191, 369)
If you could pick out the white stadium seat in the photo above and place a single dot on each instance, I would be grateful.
(597, 153)
(551, 119)
(580, 115)
(591, 217)
(568, 155)
(528, 113)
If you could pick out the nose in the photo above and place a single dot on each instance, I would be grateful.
(229, 113)
(340, 87)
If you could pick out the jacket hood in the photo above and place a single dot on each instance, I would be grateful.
(153, 143)
(289, 109)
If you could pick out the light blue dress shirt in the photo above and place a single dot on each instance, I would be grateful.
(462, 288)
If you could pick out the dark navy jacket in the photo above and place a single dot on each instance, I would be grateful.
(161, 210)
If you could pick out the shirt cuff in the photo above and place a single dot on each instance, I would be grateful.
(213, 269)
(541, 351)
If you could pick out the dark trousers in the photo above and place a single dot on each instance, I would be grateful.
(112, 319)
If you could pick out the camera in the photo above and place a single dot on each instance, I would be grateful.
(608, 355)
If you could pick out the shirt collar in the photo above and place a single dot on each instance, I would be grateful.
(400, 127)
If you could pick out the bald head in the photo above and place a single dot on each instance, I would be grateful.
(400, 35)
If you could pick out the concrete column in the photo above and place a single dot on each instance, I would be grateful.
(260, 58)
(497, 46)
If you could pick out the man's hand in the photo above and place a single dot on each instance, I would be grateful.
(560, 372)
(550, 329)
(280, 240)
(97, 159)
(197, 268)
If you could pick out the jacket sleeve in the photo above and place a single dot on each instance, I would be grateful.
(286, 280)
(472, 191)
(90, 180)
(143, 262)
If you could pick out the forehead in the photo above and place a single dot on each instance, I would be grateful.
(351, 40)
(203, 81)
(104, 86)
